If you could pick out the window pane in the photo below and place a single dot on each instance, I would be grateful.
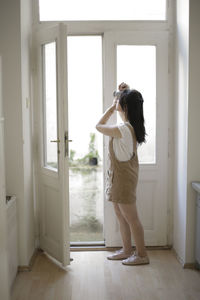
(50, 105)
(86, 151)
(136, 65)
(102, 10)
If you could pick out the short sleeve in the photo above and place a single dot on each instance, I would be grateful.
(125, 131)
(123, 147)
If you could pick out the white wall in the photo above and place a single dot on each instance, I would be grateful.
(187, 122)
(26, 28)
(15, 26)
(181, 111)
(193, 170)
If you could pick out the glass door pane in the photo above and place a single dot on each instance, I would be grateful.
(50, 105)
(86, 150)
(136, 65)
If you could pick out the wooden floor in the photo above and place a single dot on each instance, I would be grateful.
(91, 276)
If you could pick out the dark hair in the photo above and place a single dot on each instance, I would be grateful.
(131, 102)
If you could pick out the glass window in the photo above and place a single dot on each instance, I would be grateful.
(79, 10)
(50, 105)
(136, 65)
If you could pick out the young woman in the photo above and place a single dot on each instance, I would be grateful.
(122, 174)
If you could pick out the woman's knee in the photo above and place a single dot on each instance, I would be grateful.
(129, 212)
(118, 211)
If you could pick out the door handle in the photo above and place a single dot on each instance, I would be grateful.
(55, 141)
(66, 143)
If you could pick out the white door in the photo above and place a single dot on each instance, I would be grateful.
(141, 60)
(4, 268)
(52, 135)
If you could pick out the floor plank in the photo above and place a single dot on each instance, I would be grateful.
(92, 276)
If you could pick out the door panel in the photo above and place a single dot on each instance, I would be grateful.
(152, 185)
(52, 130)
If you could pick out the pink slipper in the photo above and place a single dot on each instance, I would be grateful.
(119, 254)
(135, 259)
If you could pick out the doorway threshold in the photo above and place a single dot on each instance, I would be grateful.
(100, 246)
(94, 244)
(91, 246)
(88, 246)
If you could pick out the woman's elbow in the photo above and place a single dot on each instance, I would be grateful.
(97, 127)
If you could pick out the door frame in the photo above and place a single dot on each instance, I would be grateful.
(109, 84)
(101, 27)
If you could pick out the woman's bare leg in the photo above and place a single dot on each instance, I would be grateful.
(129, 211)
(124, 230)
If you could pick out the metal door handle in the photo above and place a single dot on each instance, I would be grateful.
(55, 141)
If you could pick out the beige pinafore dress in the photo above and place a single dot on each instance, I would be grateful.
(122, 176)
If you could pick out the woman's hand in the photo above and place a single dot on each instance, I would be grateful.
(123, 86)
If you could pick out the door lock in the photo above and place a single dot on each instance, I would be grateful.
(66, 144)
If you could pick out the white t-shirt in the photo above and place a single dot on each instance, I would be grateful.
(123, 147)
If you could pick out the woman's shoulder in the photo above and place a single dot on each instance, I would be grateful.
(127, 126)
(125, 129)
(121, 124)
(122, 127)
(124, 124)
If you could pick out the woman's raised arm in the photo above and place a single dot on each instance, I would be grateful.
(110, 130)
